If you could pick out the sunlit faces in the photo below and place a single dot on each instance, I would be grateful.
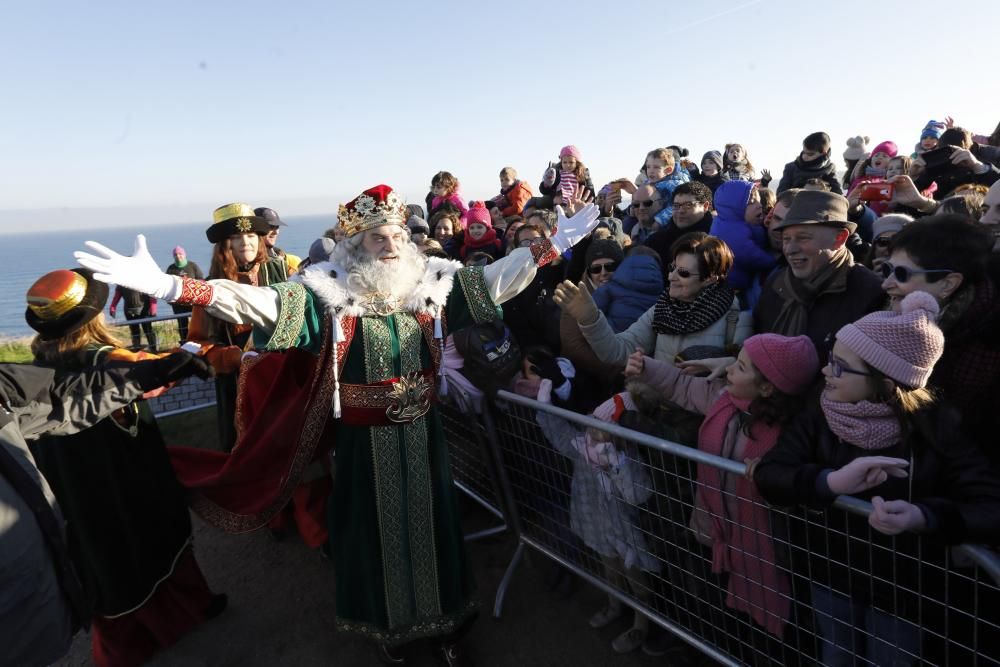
(754, 212)
(743, 380)
(244, 247)
(687, 210)
(928, 143)
(601, 271)
(646, 203)
(684, 281)
(272, 236)
(896, 167)
(809, 248)
(709, 168)
(939, 283)
(735, 153)
(808, 155)
(657, 169)
(383, 242)
(477, 230)
(444, 230)
(881, 160)
(991, 206)
(506, 181)
(180, 256)
(777, 216)
(567, 163)
(854, 383)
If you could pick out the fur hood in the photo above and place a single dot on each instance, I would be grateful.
(329, 283)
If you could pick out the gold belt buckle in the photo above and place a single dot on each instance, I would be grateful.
(409, 399)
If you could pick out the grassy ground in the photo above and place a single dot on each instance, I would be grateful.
(18, 350)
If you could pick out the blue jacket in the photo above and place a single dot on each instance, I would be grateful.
(748, 242)
(666, 189)
(631, 291)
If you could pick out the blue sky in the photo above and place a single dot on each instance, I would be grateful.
(166, 110)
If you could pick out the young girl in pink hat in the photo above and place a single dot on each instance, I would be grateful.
(562, 181)
(744, 414)
(877, 433)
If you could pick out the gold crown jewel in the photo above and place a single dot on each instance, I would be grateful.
(368, 214)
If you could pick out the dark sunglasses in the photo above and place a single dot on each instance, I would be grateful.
(683, 273)
(610, 267)
(837, 369)
(902, 274)
(645, 204)
(883, 241)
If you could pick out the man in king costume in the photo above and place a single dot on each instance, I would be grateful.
(354, 348)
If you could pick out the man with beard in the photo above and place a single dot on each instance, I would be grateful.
(363, 336)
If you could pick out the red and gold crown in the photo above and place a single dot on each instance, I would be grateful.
(372, 208)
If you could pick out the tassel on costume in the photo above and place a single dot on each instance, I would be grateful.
(338, 337)
(439, 336)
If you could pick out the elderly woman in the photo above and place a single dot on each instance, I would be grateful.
(697, 308)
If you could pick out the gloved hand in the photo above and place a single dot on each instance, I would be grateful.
(549, 177)
(570, 231)
(171, 368)
(113, 310)
(138, 272)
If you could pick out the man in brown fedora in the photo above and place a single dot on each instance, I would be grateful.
(821, 289)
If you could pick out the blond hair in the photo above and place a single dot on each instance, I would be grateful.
(70, 350)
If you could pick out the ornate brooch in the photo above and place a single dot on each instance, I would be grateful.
(409, 398)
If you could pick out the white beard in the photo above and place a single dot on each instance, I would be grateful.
(366, 274)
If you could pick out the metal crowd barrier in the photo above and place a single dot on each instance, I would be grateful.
(628, 531)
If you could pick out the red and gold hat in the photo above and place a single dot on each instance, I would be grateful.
(235, 219)
(372, 208)
(60, 302)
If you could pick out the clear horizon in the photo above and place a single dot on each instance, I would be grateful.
(116, 111)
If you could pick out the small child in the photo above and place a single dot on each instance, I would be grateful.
(877, 433)
(812, 162)
(514, 193)
(856, 151)
(740, 224)
(875, 169)
(665, 174)
(736, 164)
(479, 233)
(711, 171)
(561, 182)
(419, 229)
(744, 414)
(930, 137)
(445, 189)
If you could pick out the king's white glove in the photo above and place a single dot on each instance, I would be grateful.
(138, 272)
(570, 231)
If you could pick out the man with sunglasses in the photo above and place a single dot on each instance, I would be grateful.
(646, 203)
(692, 213)
(884, 229)
(822, 288)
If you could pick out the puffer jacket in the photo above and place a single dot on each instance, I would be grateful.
(748, 242)
(798, 172)
(631, 291)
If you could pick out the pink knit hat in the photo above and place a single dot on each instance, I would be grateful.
(478, 213)
(570, 151)
(790, 364)
(887, 147)
(902, 345)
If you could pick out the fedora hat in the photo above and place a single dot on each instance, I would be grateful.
(60, 302)
(816, 207)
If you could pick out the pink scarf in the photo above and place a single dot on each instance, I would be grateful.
(864, 424)
(742, 545)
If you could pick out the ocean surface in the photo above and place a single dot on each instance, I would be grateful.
(25, 257)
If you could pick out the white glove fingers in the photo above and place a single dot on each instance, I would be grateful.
(140, 246)
(102, 250)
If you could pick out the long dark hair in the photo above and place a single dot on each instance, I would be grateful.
(775, 410)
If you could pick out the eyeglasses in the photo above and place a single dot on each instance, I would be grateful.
(644, 204)
(527, 243)
(902, 274)
(883, 241)
(837, 369)
(686, 205)
(682, 272)
(595, 269)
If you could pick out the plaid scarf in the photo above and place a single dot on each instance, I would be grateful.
(674, 317)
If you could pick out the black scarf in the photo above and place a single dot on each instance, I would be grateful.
(674, 317)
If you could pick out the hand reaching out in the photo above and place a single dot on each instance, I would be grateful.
(715, 368)
(865, 472)
(576, 301)
(636, 363)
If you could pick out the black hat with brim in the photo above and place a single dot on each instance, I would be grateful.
(55, 286)
(233, 219)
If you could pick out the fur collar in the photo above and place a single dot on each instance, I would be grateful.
(329, 283)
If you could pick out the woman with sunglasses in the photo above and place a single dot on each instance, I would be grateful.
(697, 308)
(946, 256)
(878, 433)
(883, 230)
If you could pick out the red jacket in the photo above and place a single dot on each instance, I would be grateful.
(512, 202)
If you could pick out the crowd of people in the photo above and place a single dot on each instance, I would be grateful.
(840, 335)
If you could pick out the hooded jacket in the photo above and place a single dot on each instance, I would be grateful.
(748, 242)
(632, 290)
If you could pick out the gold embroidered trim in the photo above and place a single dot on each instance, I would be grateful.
(420, 514)
(387, 468)
(291, 315)
(477, 295)
(425, 627)
(378, 349)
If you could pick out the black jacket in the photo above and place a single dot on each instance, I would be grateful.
(798, 172)
(662, 240)
(949, 479)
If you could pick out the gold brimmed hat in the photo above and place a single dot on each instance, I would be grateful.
(235, 219)
(372, 208)
(60, 302)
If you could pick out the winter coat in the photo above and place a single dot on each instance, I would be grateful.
(666, 187)
(455, 199)
(532, 316)
(575, 347)
(512, 200)
(553, 189)
(748, 242)
(632, 291)
(798, 172)
(949, 479)
(829, 312)
(612, 348)
(662, 240)
(712, 182)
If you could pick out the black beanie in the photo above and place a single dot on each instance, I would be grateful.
(603, 249)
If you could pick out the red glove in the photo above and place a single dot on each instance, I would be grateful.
(152, 306)
(113, 310)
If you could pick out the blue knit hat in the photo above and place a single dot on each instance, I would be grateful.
(934, 129)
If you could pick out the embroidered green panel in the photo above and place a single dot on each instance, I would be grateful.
(378, 349)
(291, 316)
(477, 294)
(388, 494)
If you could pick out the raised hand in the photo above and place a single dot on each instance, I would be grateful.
(571, 230)
(865, 472)
(138, 272)
(715, 367)
(576, 301)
